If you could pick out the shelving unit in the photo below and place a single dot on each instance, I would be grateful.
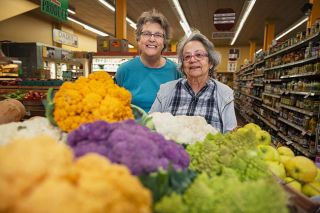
(226, 78)
(281, 92)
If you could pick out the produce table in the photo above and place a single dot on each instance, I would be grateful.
(34, 107)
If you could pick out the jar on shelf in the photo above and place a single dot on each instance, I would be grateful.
(312, 125)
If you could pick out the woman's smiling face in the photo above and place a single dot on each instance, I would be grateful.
(151, 41)
(195, 60)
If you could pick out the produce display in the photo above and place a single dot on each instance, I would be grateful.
(299, 172)
(106, 155)
(182, 129)
(11, 110)
(90, 99)
(128, 143)
(50, 181)
(30, 95)
(28, 129)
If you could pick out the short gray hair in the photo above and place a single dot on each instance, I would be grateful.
(213, 56)
(154, 16)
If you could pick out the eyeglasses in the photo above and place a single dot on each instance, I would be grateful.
(197, 55)
(148, 35)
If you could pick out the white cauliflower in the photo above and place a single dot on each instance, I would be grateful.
(28, 129)
(182, 129)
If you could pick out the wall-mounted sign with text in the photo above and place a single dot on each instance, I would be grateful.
(234, 54)
(232, 66)
(55, 8)
(65, 38)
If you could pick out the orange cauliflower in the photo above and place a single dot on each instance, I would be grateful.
(41, 176)
(90, 99)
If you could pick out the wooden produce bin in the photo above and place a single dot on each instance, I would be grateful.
(34, 108)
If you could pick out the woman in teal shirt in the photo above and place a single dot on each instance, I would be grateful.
(143, 75)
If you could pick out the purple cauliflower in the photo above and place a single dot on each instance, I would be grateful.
(128, 143)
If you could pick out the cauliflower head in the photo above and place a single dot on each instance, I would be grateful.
(89, 99)
(41, 176)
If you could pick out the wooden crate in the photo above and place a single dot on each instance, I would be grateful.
(34, 108)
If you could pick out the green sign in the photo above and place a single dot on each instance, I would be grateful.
(55, 8)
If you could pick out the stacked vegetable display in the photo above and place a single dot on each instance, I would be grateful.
(87, 100)
(112, 163)
(39, 175)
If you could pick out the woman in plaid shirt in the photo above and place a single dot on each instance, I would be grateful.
(198, 93)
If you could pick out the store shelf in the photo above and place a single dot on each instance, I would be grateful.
(270, 108)
(285, 138)
(271, 95)
(259, 63)
(296, 146)
(308, 74)
(303, 150)
(265, 121)
(293, 63)
(301, 129)
(306, 112)
(272, 80)
(258, 76)
(302, 93)
(254, 97)
(257, 85)
(294, 47)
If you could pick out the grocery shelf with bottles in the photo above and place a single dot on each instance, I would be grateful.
(281, 91)
(110, 61)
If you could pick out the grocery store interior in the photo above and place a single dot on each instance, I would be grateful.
(270, 57)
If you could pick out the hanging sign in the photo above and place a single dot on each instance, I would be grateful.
(224, 19)
(55, 8)
(65, 38)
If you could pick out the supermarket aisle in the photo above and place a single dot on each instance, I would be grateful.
(240, 120)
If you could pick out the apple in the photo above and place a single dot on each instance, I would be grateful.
(311, 189)
(277, 168)
(301, 168)
(263, 137)
(283, 150)
(293, 183)
(284, 158)
(267, 152)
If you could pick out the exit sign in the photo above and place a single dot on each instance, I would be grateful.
(55, 8)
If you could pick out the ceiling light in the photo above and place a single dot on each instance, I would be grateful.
(243, 20)
(71, 11)
(108, 5)
(131, 23)
(258, 51)
(87, 27)
(294, 26)
(183, 21)
(112, 8)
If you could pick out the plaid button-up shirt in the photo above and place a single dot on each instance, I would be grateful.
(186, 102)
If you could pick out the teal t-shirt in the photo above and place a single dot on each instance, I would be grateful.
(144, 82)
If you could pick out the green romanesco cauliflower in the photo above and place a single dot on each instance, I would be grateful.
(171, 204)
(226, 193)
